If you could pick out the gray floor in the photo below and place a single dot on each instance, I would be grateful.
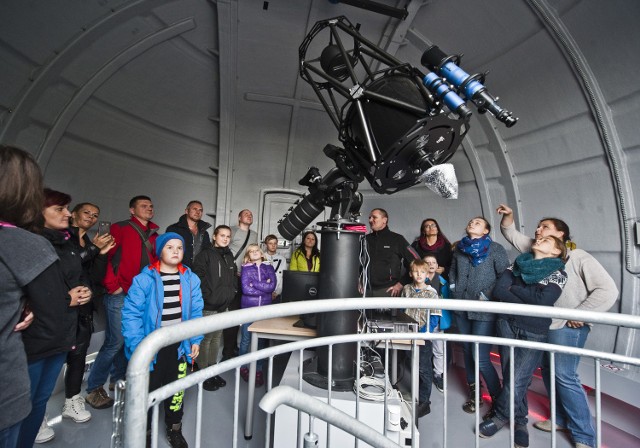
(217, 421)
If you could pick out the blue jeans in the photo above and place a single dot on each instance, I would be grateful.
(479, 328)
(526, 361)
(9, 436)
(43, 375)
(245, 344)
(572, 405)
(112, 351)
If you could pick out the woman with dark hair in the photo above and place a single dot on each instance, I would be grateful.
(477, 263)
(307, 256)
(433, 242)
(589, 287)
(53, 333)
(23, 257)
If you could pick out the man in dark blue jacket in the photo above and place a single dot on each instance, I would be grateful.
(193, 230)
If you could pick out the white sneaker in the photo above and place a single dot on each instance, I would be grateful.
(74, 408)
(45, 433)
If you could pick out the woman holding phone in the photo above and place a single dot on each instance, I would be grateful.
(93, 256)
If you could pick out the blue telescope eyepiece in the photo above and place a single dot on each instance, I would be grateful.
(470, 87)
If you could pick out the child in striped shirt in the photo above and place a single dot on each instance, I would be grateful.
(164, 293)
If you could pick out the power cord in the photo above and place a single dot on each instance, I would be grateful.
(372, 388)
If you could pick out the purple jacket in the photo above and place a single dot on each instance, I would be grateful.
(258, 282)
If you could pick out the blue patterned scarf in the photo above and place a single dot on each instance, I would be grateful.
(477, 249)
(532, 270)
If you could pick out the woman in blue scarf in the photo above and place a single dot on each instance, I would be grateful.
(536, 278)
(477, 262)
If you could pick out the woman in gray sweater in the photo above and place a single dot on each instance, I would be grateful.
(589, 287)
(477, 263)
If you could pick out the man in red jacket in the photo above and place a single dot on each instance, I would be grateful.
(134, 249)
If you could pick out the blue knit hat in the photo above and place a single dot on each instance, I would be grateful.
(162, 240)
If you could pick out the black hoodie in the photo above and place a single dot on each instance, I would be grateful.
(218, 276)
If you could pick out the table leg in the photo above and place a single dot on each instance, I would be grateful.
(415, 369)
(248, 427)
(394, 366)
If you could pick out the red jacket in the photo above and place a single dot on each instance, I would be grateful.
(128, 251)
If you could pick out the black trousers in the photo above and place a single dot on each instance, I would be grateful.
(167, 369)
(230, 335)
(77, 358)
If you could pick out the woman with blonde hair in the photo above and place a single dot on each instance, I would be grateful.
(589, 287)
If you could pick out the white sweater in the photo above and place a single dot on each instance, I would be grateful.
(589, 286)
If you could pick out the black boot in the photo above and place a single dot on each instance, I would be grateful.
(492, 412)
(470, 405)
(423, 409)
(175, 438)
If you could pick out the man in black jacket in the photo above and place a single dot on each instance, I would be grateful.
(219, 282)
(193, 230)
(388, 253)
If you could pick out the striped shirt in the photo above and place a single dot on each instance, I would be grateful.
(171, 308)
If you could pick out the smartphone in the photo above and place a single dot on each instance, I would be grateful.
(103, 227)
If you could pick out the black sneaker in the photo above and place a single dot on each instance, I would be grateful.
(439, 383)
(521, 436)
(470, 405)
(175, 438)
(210, 385)
(423, 409)
(490, 414)
(220, 382)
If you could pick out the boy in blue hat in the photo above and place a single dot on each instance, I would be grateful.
(164, 293)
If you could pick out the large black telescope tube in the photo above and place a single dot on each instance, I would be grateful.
(300, 217)
(340, 267)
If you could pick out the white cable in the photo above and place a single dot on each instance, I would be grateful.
(372, 389)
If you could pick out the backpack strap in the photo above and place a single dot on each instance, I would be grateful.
(146, 249)
(246, 240)
(146, 255)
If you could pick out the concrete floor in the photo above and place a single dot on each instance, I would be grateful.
(218, 424)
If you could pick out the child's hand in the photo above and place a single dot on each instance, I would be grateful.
(195, 351)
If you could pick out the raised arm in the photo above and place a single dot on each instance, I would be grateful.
(518, 240)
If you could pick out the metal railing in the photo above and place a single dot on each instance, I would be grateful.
(132, 428)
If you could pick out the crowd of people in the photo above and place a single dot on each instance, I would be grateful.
(550, 271)
(54, 275)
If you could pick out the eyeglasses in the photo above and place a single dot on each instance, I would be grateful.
(430, 226)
